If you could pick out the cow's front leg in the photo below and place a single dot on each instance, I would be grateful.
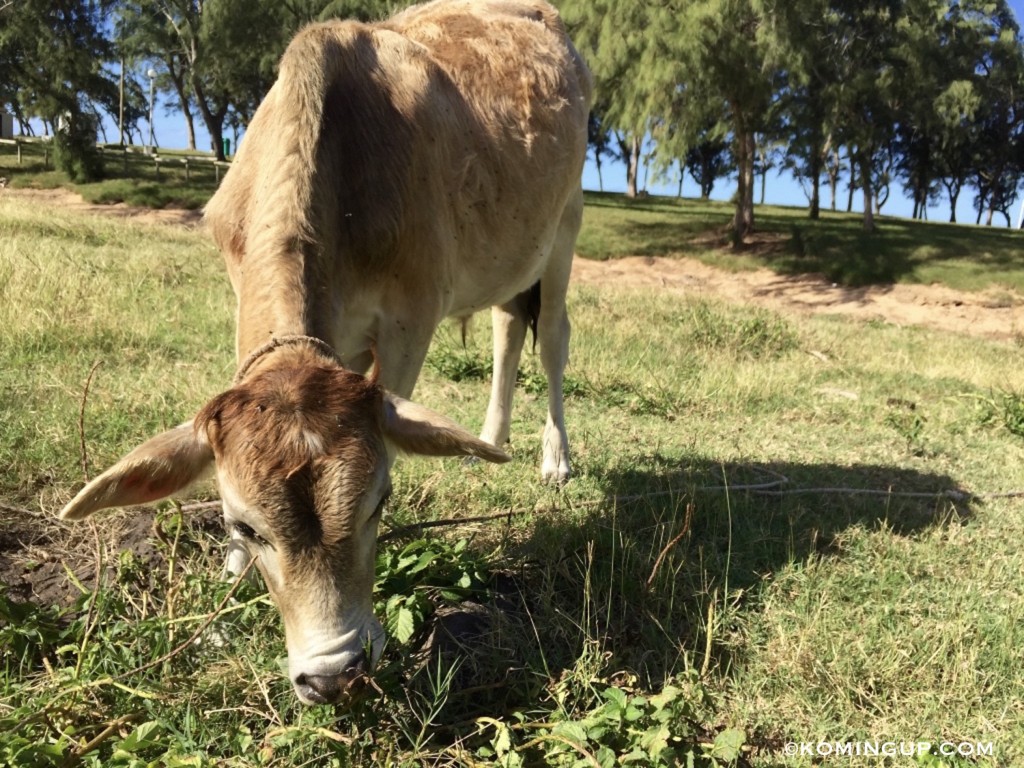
(509, 322)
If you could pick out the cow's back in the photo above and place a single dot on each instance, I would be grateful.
(430, 154)
(518, 155)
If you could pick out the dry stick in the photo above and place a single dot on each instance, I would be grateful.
(675, 540)
(201, 506)
(156, 662)
(76, 756)
(417, 527)
(81, 419)
(91, 619)
(564, 740)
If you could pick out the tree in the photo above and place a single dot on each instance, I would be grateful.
(219, 57)
(709, 161)
(671, 70)
(613, 35)
(599, 139)
(51, 54)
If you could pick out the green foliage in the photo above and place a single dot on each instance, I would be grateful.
(1004, 409)
(413, 580)
(75, 153)
(622, 728)
(28, 632)
(459, 364)
(754, 333)
(696, 591)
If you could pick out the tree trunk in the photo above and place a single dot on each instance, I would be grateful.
(743, 219)
(853, 182)
(214, 120)
(597, 163)
(178, 80)
(633, 167)
(816, 162)
(190, 129)
(865, 184)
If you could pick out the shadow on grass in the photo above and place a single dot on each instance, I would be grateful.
(787, 241)
(622, 590)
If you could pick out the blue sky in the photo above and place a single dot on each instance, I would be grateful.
(780, 188)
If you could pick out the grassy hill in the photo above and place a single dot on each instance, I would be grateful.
(778, 532)
(960, 256)
(900, 250)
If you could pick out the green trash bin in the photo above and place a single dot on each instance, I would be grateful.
(226, 146)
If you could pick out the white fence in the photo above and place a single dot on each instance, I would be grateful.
(128, 152)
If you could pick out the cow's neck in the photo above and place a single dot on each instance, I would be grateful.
(300, 349)
(280, 300)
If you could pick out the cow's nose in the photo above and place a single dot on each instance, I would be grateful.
(330, 689)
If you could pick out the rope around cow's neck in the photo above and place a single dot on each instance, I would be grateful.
(319, 345)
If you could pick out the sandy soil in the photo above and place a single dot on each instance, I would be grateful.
(994, 314)
(991, 315)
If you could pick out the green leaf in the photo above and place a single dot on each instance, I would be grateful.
(655, 740)
(146, 735)
(615, 696)
(668, 695)
(572, 731)
(403, 624)
(728, 744)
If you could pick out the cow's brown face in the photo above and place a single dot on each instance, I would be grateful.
(303, 470)
(302, 449)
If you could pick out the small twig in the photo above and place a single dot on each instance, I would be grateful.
(709, 637)
(195, 635)
(81, 419)
(201, 506)
(563, 740)
(76, 757)
(675, 540)
(326, 733)
(405, 530)
(90, 615)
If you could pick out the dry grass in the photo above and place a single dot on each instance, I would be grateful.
(688, 582)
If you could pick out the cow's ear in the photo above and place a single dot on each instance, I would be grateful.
(415, 429)
(160, 467)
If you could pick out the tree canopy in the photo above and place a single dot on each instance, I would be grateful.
(923, 92)
(924, 96)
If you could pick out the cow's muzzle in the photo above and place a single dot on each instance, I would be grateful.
(331, 689)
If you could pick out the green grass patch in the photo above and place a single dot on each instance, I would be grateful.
(899, 251)
(133, 177)
(778, 531)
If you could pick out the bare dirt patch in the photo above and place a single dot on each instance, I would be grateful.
(993, 314)
(67, 200)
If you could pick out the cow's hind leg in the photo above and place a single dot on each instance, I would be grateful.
(553, 332)
(510, 321)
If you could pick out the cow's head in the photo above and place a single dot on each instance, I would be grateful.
(302, 450)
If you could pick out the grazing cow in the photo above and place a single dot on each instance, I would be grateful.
(396, 174)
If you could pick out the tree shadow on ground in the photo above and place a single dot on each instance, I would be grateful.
(627, 585)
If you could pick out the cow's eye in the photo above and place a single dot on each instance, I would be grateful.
(247, 533)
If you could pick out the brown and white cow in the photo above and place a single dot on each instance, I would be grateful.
(396, 174)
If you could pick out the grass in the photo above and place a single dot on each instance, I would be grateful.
(132, 178)
(770, 538)
(900, 251)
